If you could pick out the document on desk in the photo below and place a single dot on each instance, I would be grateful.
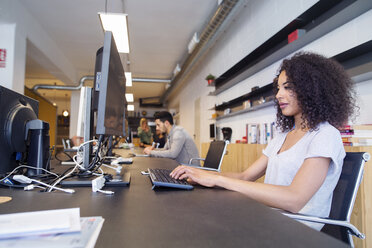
(86, 238)
(39, 222)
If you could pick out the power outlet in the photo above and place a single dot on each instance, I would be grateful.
(98, 183)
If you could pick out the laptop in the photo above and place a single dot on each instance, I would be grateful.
(212, 162)
(214, 158)
(67, 146)
(138, 155)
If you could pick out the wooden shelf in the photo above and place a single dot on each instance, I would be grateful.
(265, 92)
(254, 108)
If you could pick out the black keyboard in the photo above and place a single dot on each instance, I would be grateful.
(161, 178)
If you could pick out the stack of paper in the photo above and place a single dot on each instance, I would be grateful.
(52, 228)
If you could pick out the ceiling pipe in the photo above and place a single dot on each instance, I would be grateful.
(63, 87)
(223, 16)
(85, 78)
(151, 80)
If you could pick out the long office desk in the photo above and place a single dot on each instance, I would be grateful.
(137, 216)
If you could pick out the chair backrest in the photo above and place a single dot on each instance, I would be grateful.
(215, 154)
(66, 144)
(347, 187)
(345, 192)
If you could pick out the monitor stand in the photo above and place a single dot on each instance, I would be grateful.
(122, 180)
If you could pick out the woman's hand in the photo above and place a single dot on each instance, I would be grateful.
(202, 177)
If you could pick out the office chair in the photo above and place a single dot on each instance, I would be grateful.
(338, 223)
(215, 154)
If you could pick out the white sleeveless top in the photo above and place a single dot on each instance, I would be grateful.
(324, 142)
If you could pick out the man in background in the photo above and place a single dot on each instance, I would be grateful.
(179, 146)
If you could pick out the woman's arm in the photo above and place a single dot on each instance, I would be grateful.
(292, 198)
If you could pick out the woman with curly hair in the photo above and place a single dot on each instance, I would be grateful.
(302, 164)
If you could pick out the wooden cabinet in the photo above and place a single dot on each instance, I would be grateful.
(240, 156)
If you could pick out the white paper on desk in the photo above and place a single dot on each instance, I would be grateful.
(39, 222)
(86, 238)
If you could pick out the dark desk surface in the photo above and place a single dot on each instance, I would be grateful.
(137, 216)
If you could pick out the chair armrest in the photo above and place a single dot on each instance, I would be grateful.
(354, 231)
(190, 161)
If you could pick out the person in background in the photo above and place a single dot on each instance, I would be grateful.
(303, 163)
(144, 133)
(159, 138)
(77, 141)
(179, 146)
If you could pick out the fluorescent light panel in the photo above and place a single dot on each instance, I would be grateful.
(117, 24)
(128, 77)
(176, 70)
(130, 107)
(193, 42)
(129, 97)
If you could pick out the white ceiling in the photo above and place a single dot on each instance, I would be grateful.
(159, 32)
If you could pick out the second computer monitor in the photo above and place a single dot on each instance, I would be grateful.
(110, 84)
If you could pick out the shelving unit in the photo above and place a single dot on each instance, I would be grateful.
(239, 112)
(258, 99)
(319, 20)
(323, 17)
(63, 129)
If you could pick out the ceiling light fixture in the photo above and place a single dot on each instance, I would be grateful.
(130, 107)
(65, 113)
(117, 24)
(128, 77)
(129, 97)
(176, 70)
(193, 42)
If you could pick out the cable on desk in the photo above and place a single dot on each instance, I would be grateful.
(61, 160)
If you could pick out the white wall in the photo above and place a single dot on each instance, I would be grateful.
(364, 90)
(6, 72)
(255, 24)
(43, 49)
(12, 75)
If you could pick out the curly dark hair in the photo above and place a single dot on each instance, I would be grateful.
(324, 91)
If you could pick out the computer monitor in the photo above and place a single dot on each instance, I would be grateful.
(106, 112)
(81, 113)
(110, 81)
(21, 132)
